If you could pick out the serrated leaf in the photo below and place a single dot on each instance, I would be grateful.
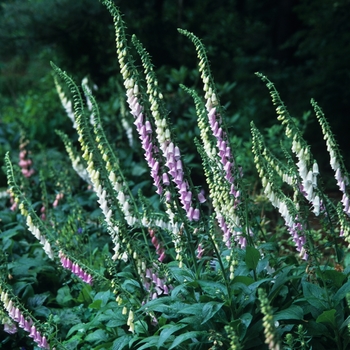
(183, 337)
(252, 257)
(327, 317)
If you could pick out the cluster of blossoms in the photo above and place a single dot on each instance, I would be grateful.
(75, 268)
(34, 229)
(169, 150)
(336, 161)
(66, 103)
(200, 251)
(59, 197)
(43, 213)
(14, 204)
(221, 157)
(9, 326)
(159, 247)
(130, 320)
(154, 284)
(285, 206)
(268, 323)
(308, 176)
(24, 162)
(295, 228)
(342, 180)
(224, 205)
(76, 160)
(25, 323)
(85, 84)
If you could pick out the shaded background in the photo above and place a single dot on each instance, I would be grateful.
(302, 46)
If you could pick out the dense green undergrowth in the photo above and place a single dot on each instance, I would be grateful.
(130, 241)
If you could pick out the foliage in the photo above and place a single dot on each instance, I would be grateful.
(195, 258)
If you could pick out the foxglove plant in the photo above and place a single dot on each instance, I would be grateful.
(220, 159)
(181, 274)
(23, 321)
(286, 207)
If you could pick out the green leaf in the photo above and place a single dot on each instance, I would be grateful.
(96, 304)
(341, 293)
(63, 296)
(11, 232)
(252, 257)
(195, 309)
(121, 342)
(336, 278)
(210, 309)
(211, 287)
(103, 297)
(141, 327)
(183, 337)
(97, 337)
(149, 342)
(281, 279)
(243, 279)
(81, 328)
(315, 296)
(159, 305)
(327, 317)
(84, 295)
(167, 332)
(294, 312)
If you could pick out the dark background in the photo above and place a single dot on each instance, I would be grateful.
(302, 46)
